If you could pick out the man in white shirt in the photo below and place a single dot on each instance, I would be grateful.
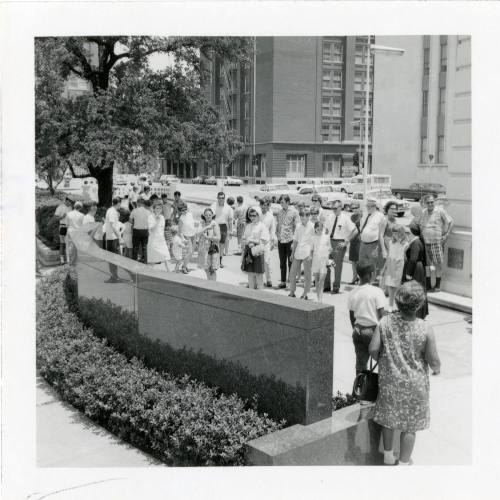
(372, 235)
(60, 215)
(140, 220)
(146, 194)
(224, 218)
(340, 228)
(74, 220)
(269, 221)
(302, 253)
(366, 304)
(113, 236)
(89, 217)
(133, 195)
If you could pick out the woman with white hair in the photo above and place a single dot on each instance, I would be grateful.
(405, 347)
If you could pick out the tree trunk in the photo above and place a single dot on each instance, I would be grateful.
(105, 183)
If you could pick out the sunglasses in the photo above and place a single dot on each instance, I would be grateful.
(253, 214)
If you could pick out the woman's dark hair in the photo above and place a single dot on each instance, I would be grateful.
(388, 205)
(154, 197)
(317, 224)
(247, 214)
(415, 229)
(284, 197)
(230, 201)
(203, 214)
(239, 199)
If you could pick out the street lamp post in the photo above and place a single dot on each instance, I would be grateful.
(375, 49)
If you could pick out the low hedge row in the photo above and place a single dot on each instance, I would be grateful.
(180, 421)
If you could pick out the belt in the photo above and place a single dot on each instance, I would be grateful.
(369, 242)
(333, 239)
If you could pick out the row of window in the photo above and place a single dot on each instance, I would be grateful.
(296, 165)
(333, 52)
(332, 80)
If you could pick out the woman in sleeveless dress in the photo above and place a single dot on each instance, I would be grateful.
(208, 254)
(405, 347)
(157, 249)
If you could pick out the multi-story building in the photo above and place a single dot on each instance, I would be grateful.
(422, 131)
(298, 107)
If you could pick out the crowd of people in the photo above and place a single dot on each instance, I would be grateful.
(388, 260)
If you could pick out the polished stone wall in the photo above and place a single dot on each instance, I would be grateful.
(240, 340)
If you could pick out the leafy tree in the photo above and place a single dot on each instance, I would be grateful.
(133, 113)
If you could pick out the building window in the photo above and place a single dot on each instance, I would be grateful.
(246, 132)
(425, 97)
(442, 100)
(360, 55)
(332, 79)
(247, 165)
(356, 131)
(296, 165)
(332, 52)
(427, 56)
(331, 106)
(331, 165)
(331, 132)
(359, 80)
(444, 54)
(441, 158)
(233, 75)
(423, 150)
(246, 112)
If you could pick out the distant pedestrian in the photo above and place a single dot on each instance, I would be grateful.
(89, 217)
(60, 215)
(187, 232)
(239, 219)
(394, 264)
(340, 228)
(366, 304)
(126, 232)
(316, 207)
(230, 204)
(436, 226)
(287, 220)
(255, 240)
(146, 193)
(140, 219)
(405, 347)
(112, 236)
(320, 258)
(414, 268)
(133, 196)
(302, 247)
(208, 245)
(355, 242)
(224, 218)
(372, 235)
(179, 247)
(74, 219)
(177, 203)
(157, 250)
(269, 222)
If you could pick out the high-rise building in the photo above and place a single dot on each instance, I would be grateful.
(422, 131)
(299, 107)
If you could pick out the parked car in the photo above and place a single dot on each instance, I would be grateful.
(200, 179)
(383, 196)
(328, 192)
(167, 179)
(211, 180)
(274, 191)
(417, 190)
(232, 181)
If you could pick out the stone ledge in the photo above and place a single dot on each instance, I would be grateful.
(47, 256)
(348, 437)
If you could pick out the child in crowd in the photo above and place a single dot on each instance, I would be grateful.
(320, 260)
(393, 269)
(126, 234)
(178, 245)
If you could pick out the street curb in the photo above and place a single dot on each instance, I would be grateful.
(458, 305)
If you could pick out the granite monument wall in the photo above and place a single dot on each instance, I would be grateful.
(249, 342)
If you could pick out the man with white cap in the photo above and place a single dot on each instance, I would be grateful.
(372, 235)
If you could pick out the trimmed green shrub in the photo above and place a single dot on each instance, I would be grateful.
(178, 420)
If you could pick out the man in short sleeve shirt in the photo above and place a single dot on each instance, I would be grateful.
(436, 226)
(60, 215)
(223, 214)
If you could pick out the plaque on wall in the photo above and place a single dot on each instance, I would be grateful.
(455, 258)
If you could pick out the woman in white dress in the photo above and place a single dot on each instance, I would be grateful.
(208, 245)
(157, 246)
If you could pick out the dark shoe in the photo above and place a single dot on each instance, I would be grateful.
(112, 280)
(282, 285)
(269, 284)
(185, 271)
(335, 291)
(354, 282)
(304, 297)
(291, 294)
(221, 266)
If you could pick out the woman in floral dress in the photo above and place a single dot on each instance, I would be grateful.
(208, 233)
(405, 347)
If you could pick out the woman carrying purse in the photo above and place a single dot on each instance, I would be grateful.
(255, 237)
(208, 245)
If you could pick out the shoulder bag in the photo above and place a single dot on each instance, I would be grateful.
(365, 386)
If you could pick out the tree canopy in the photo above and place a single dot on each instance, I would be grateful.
(134, 114)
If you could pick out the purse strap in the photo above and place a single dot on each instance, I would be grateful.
(374, 366)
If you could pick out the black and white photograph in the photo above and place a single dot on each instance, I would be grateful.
(253, 248)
